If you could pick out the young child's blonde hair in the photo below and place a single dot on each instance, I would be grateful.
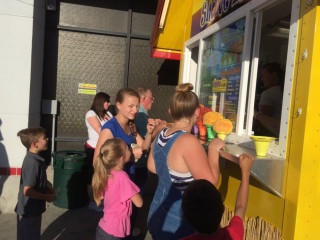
(30, 135)
(110, 153)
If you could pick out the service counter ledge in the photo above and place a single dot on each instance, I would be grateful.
(268, 171)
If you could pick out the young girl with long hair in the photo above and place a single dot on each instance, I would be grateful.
(114, 186)
(122, 126)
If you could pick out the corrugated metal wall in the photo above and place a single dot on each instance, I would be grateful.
(144, 72)
(86, 58)
(91, 47)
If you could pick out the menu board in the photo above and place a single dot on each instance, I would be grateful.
(221, 70)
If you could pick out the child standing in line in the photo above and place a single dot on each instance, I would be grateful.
(34, 188)
(203, 207)
(114, 186)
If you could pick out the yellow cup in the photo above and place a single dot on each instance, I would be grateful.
(262, 144)
(221, 135)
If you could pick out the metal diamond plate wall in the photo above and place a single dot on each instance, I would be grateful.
(93, 17)
(142, 23)
(143, 72)
(85, 58)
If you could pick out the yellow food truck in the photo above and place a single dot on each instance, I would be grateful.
(223, 47)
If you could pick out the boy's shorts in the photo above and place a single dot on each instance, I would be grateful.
(28, 228)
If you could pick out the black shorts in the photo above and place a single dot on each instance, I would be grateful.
(89, 152)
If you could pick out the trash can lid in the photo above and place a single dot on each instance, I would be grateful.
(69, 154)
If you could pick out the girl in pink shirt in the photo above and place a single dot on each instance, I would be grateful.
(112, 185)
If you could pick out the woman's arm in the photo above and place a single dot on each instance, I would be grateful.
(95, 124)
(104, 135)
(150, 164)
(195, 157)
(213, 157)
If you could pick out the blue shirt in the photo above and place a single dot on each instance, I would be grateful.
(117, 131)
(141, 121)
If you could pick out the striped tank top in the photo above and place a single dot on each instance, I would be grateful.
(179, 180)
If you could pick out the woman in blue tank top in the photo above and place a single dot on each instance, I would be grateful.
(122, 126)
(177, 157)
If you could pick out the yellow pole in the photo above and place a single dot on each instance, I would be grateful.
(302, 201)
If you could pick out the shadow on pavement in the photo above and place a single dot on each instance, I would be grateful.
(73, 224)
(4, 162)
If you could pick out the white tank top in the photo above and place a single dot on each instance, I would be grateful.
(93, 136)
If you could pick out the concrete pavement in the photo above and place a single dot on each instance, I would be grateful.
(65, 224)
(59, 223)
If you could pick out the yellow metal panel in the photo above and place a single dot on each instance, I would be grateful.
(302, 206)
(261, 202)
(296, 214)
(177, 26)
(197, 4)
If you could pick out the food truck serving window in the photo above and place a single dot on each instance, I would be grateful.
(242, 66)
(221, 70)
(230, 63)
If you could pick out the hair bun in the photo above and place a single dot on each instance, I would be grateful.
(184, 87)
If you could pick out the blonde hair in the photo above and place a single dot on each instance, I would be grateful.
(110, 153)
(30, 135)
(183, 102)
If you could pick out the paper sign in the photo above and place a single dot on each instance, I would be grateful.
(87, 91)
(87, 86)
(219, 85)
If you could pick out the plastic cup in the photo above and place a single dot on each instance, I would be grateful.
(262, 144)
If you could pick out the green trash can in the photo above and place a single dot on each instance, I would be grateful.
(69, 178)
